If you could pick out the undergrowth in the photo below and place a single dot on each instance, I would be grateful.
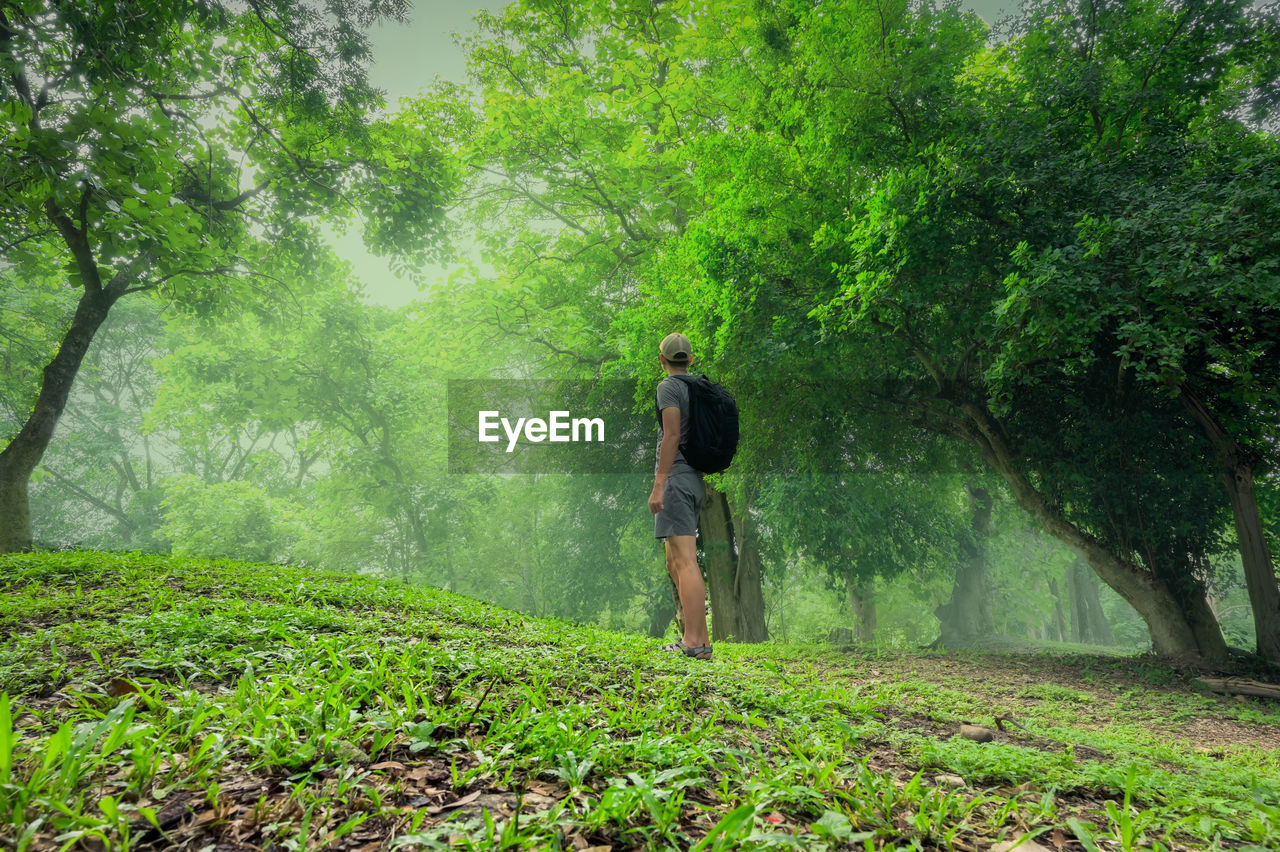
(154, 702)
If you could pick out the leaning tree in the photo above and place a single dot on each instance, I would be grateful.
(892, 188)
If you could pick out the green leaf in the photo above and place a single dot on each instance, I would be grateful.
(730, 826)
(7, 739)
(1083, 833)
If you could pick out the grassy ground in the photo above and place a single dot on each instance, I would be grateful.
(156, 703)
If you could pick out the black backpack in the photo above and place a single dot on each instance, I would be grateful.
(713, 425)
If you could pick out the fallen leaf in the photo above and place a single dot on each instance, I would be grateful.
(537, 802)
(554, 791)
(389, 764)
(465, 800)
(119, 686)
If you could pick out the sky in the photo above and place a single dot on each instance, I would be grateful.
(406, 59)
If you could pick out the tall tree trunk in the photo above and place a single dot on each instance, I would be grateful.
(734, 582)
(1059, 620)
(20, 458)
(967, 616)
(1088, 619)
(862, 600)
(666, 605)
(418, 530)
(1079, 617)
(748, 580)
(1235, 468)
(1176, 623)
(720, 559)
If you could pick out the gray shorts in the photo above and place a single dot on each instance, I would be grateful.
(681, 503)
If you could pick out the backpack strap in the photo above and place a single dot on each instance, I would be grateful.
(657, 412)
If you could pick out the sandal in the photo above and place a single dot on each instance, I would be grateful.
(702, 652)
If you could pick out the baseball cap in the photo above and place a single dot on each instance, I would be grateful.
(675, 348)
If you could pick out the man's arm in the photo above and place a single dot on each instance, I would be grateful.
(666, 455)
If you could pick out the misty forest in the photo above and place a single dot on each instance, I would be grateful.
(997, 294)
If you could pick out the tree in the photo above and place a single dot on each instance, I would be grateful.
(1088, 621)
(866, 526)
(967, 616)
(100, 483)
(1172, 256)
(592, 117)
(330, 394)
(1182, 283)
(731, 562)
(167, 147)
(923, 161)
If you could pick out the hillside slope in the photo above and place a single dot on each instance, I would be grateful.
(153, 702)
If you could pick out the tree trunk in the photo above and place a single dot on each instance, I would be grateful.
(862, 600)
(1079, 617)
(15, 510)
(733, 570)
(1087, 617)
(1240, 686)
(967, 616)
(720, 560)
(1235, 468)
(665, 607)
(748, 582)
(1059, 621)
(1178, 627)
(20, 458)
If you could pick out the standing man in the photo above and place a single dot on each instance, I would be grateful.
(677, 498)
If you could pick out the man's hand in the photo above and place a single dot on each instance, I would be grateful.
(655, 496)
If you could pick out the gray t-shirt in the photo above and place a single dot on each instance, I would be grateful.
(673, 391)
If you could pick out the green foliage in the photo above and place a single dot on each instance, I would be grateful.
(881, 229)
(225, 519)
(197, 116)
(100, 485)
(35, 307)
(186, 150)
(909, 251)
(308, 706)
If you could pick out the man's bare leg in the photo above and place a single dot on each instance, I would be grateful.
(682, 564)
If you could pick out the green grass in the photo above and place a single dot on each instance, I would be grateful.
(149, 702)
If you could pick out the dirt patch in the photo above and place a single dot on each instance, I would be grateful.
(1098, 688)
(1211, 731)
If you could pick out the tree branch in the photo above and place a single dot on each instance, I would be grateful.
(78, 243)
(233, 203)
(114, 511)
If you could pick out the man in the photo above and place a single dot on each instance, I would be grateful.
(677, 498)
